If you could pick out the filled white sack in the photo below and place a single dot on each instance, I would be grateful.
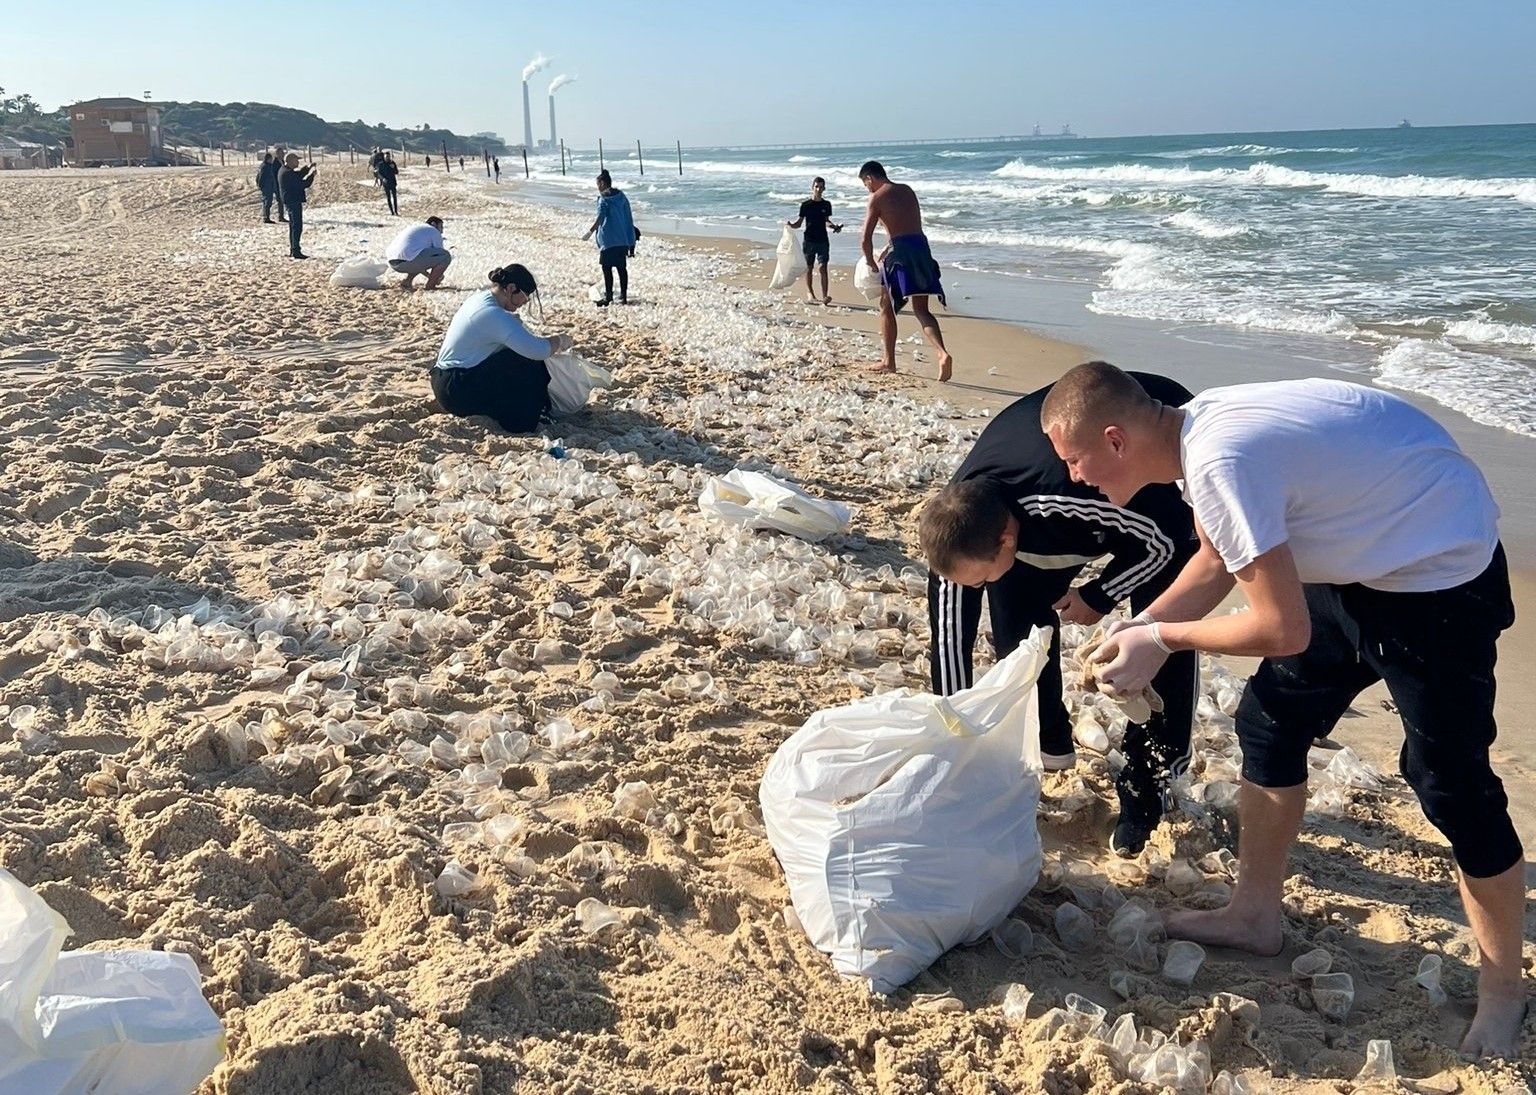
(905, 822)
(760, 501)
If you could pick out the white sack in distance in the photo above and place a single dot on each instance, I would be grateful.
(572, 380)
(125, 1022)
(866, 279)
(360, 272)
(905, 822)
(760, 501)
(789, 261)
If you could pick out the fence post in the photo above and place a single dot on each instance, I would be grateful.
(639, 155)
(600, 154)
(487, 154)
(525, 161)
(562, 155)
(679, 157)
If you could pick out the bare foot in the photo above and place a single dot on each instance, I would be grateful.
(1226, 928)
(1495, 1030)
(946, 367)
(880, 367)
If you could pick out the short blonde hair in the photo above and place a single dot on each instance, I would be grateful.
(1094, 395)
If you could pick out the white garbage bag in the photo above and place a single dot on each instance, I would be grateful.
(128, 1022)
(360, 272)
(905, 822)
(789, 264)
(572, 379)
(866, 279)
(762, 502)
(596, 293)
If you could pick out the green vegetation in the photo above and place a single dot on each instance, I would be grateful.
(247, 125)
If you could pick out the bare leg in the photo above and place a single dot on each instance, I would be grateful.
(934, 336)
(810, 295)
(826, 297)
(409, 283)
(887, 335)
(435, 276)
(1269, 818)
(1496, 911)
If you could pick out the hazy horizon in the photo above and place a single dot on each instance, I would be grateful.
(786, 76)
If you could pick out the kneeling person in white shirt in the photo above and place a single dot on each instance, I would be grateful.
(419, 250)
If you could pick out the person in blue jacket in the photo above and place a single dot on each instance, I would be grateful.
(616, 236)
(266, 181)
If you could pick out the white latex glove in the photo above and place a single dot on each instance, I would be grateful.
(1141, 619)
(1129, 660)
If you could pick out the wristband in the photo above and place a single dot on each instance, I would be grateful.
(1155, 630)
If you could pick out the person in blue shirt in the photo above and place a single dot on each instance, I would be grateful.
(616, 236)
(490, 363)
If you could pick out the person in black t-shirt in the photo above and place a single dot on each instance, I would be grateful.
(816, 215)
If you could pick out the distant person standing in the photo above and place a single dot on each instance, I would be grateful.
(616, 236)
(429, 161)
(266, 181)
(389, 179)
(419, 250)
(907, 269)
(461, 163)
(496, 166)
(816, 215)
(278, 154)
(294, 184)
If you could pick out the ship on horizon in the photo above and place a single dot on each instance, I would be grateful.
(1066, 131)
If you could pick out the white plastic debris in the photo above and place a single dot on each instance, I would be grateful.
(1428, 978)
(1312, 963)
(572, 380)
(1333, 994)
(1183, 961)
(360, 272)
(634, 800)
(594, 916)
(866, 280)
(1073, 927)
(760, 501)
(1228, 1084)
(789, 260)
(1016, 1003)
(1378, 1067)
(457, 880)
(1013, 938)
(124, 1021)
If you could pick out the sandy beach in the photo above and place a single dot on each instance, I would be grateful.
(335, 692)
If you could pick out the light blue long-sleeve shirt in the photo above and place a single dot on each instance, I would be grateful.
(615, 223)
(480, 328)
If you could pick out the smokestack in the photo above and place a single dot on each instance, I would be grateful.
(528, 70)
(555, 85)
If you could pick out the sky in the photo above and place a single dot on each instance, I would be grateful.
(791, 71)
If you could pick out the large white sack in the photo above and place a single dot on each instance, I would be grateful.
(572, 380)
(866, 279)
(760, 501)
(125, 1022)
(360, 272)
(789, 262)
(905, 822)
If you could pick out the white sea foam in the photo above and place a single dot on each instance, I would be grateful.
(1485, 388)
(1204, 227)
(806, 159)
(959, 154)
(1492, 332)
(1254, 150)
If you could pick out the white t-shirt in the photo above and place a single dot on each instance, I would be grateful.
(1362, 485)
(413, 241)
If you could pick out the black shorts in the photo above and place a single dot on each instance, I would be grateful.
(816, 251)
(1435, 652)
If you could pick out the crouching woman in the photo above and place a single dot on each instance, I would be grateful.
(490, 363)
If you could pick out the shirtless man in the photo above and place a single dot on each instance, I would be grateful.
(906, 266)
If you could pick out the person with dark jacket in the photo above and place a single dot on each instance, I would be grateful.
(294, 184)
(1013, 523)
(266, 182)
(616, 237)
(389, 179)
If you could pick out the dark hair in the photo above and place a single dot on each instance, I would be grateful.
(818, 181)
(516, 275)
(603, 178)
(436, 222)
(1094, 395)
(872, 169)
(963, 521)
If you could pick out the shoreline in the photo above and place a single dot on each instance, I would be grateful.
(180, 488)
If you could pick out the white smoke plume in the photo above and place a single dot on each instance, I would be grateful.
(534, 65)
(559, 82)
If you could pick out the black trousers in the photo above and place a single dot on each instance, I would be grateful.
(1154, 752)
(615, 258)
(267, 197)
(392, 199)
(295, 229)
(1436, 653)
(512, 389)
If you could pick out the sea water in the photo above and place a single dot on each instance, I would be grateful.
(1413, 249)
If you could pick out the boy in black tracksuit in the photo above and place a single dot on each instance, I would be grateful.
(1062, 526)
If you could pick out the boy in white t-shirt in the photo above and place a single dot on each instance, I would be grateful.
(1366, 544)
(418, 249)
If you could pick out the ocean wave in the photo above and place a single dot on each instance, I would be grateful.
(1485, 388)
(1275, 175)
(1205, 228)
(1492, 332)
(1142, 290)
(806, 159)
(1253, 150)
(957, 154)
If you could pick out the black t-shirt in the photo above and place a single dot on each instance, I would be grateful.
(816, 214)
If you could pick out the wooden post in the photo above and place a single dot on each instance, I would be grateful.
(679, 157)
(600, 154)
(525, 161)
(487, 154)
(562, 155)
(639, 155)
(221, 155)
